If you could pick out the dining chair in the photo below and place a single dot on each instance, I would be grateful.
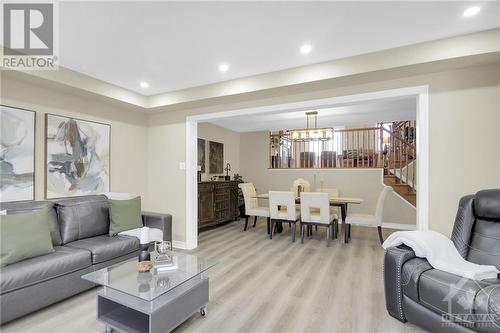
(370, 220)
(282, 209)
(315, 210)
(332, 192)
(252, 207)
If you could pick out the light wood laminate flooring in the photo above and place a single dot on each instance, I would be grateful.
(262, 285)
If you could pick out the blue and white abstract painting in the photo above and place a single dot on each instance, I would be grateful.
(77, 157)
(17, 154)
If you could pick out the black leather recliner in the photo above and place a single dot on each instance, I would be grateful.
(440, 301)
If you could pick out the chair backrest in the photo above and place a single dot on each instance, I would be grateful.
(306, 187)
(315, 200)
(476, 233)
(332, 192)
(379, 209)
(249, 194)
(284, 199)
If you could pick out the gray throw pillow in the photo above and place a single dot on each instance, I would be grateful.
(124, 215)
(24, 235)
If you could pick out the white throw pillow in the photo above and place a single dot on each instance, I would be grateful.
(3, 212)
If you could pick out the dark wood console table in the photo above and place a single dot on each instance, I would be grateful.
(217, 202)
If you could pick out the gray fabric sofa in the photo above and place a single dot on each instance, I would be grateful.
(79, 231)
(442, 302)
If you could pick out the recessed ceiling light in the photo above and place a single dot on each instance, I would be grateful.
(144, 84)
(223, 67)
(471, 11)
(306, 48)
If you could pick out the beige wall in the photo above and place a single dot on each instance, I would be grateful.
(464, 115)
(361, 183)
(464, 127)
(231, 141)
(128, 130)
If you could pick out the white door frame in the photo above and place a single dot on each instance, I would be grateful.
(421, 93)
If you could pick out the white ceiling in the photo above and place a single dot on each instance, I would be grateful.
(346, 116)
(174, 45)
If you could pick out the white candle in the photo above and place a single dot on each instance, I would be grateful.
(144, 239)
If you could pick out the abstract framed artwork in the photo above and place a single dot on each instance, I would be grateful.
(17, 154)
(216, 157)
(77, 157)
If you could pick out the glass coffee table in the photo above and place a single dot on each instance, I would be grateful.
(151, 302)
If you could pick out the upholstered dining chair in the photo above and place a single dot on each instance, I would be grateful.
(370, 220)
(315, 210)
(252, 207)
(332, 192)
(282, 209)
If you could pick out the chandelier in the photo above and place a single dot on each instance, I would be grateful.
(311, 133)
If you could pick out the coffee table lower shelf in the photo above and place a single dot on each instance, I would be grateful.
(126, 313)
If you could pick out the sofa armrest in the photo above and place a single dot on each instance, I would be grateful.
(159, 221)
(394, 259)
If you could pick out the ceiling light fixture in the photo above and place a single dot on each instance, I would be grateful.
(305, 49)
(471, 11)
(311, 133)
(223, 67)
(144, 84)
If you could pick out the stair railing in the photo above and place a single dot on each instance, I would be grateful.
(401, 153)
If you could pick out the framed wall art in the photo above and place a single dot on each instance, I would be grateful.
(77, 157)
(17, 154)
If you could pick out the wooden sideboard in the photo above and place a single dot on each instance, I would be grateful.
(217, 202)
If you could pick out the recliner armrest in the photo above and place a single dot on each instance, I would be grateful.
(159, 221)
(394, 259)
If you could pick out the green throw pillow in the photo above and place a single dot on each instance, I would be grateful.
(24, 235)
(124, 215)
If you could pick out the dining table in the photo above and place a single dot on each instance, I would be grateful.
(341, 202)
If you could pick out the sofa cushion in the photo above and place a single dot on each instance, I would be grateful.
(487, 309)
(410, 276)
(82, 217)
(484, 247)
(63, 260)
(24, 235)
(105, 248)
(487, 205)
(443, 292)
(30, 206)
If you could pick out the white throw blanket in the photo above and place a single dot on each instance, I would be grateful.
(155, 235)
(441, 253)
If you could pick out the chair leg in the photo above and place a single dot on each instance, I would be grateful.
(272, 229)
(293, 232)
(349, 231)
(328, 236)
(246, 223)
(254, 221)
(316, 227)
(380, 237)
(301, 233)
(268, 225)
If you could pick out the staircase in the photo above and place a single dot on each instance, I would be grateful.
(400, 160)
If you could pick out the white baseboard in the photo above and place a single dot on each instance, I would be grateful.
(399, 226)
(179, 245)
